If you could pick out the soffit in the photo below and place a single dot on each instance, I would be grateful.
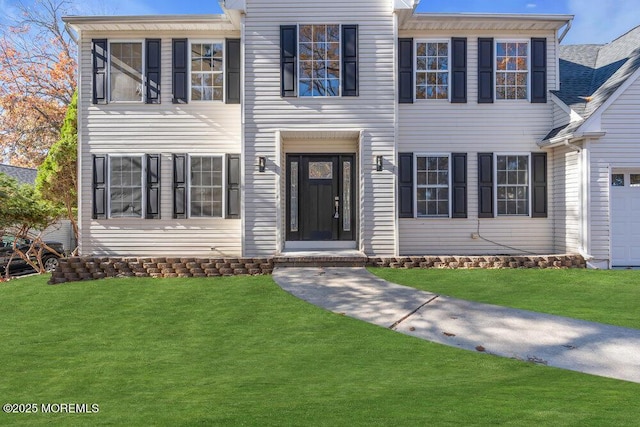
(484, 22)
(320, 134)
(151, 23)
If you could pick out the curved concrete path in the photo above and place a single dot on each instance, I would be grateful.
(593, 348)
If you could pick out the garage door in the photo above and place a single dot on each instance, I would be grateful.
(625, 219)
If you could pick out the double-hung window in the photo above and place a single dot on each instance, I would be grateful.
(432, 69)
(512, 70)
(207, 71)
(205, 186)
(512, 184)
(126, 71)
(125, 187)
(432, 185)
(319, 60)
(319, 47)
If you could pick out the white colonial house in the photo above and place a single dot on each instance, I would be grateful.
(284, 125)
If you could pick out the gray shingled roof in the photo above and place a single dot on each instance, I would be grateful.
(22, 175)
(590, 74)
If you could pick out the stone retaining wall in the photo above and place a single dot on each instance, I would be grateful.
(87, 268)
(452, 262)
(80, 268)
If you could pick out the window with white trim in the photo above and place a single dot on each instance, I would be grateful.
(512, 70)
(512, 184)
(206, 186)
(126, 186)
(126, 71)
(319, 60)
(432, 69)
(432, 185)
(207, 71)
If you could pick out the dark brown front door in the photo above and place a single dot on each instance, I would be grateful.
(320, 197)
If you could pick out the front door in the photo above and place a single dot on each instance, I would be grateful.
(320, 202)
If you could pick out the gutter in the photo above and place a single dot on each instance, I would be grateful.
(569, 140)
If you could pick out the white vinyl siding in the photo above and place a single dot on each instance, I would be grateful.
(199, 128)
(618, 149)
(372, 113)
(501, 127)
(566, 197)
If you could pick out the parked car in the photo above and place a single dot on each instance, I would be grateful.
(20, 266)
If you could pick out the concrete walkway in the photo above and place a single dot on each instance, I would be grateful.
(566, 343)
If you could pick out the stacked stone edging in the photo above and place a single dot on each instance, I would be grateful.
(91, 268)
(491, 261)
(88, 268)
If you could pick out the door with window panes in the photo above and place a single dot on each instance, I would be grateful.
(320, 197)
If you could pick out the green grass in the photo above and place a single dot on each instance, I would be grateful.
(240, 351)
(611, 297)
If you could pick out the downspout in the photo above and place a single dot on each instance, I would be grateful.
(572, 146)
(69, 31)
(566, 30)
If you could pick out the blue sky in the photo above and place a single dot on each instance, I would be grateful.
(596, 21)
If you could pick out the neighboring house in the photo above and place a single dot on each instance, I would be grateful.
(321, 125)
(61, 231)
(596, 151)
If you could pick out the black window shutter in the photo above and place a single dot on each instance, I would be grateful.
(485, 70)
(99, 187)
(405, 71)
(233, 186)
(99, 53)
(539, 190)
(459, 70)
(349, 60)
(153, 70)
(288, 60)
(459, 185)
(180, 186)
(153, 186)
(405, 185)
(539, 70)
(180, 70)
(485, 185)
(232, 71)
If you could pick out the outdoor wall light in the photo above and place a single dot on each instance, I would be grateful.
(262, 164)
(379, 163)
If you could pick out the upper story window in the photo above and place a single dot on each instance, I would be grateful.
(125, 72)
(319, 60)
(207, 73)
(432, 70)
(512, 69)
(319, 63)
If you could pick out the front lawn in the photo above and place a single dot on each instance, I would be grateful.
(603, 296)
(240, 351)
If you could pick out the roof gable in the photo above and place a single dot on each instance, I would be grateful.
(590, 74)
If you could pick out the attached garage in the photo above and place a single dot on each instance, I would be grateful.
(625, 218)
